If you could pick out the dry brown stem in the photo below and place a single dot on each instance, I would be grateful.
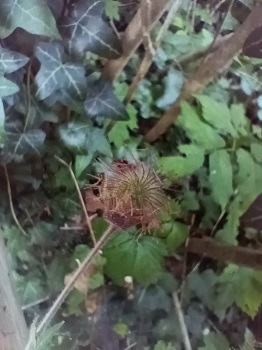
(226, 253)
(148, 57)
(207, 72)
(133, 37)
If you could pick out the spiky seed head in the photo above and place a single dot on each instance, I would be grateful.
(131, 194)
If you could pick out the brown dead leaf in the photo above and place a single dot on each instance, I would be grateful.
(93, 203)
(94, 300)
(82, 283)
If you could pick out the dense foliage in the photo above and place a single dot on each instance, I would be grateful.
(55, 104)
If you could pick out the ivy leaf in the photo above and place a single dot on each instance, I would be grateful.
(215, 341)
(182, 166)
(120, 130)
(102, 102)
(126, 256)
(85, 30)
(33, 16)
(111, 9)
(54, 74)
(7, 87)
(198, 131)
(11, 61)
(173, 84)
(217, 114)
(81, 136)
(221, 177)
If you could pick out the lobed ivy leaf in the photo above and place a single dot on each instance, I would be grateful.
(85, 30)
(81, 136)
(11, 61)
(56, 73)
(217, 114)
(199, 132)
(126, 256)
(102, 102)
(221, 177)
(34, 16)
(7, 87)
(175, 166)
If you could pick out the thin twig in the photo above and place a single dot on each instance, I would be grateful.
(68, 288)
(181, 321)
(88, 221)
(148, 57)
(11, 202)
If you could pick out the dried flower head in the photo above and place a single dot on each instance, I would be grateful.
(131, 194)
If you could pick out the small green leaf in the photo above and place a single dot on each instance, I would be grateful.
(121, 329)
(198, 131)
(81, 163)
(229, 232)
(7, 87)
(97, 280)
(256, 151)
(111, 9)
(181, 166)
(33, 16)
(239, 120)
(57, 74)
(102, 102)
(177, 235)
(217, 114)
(221, 177)
(161, 345)
(128, 256)
(75, 303)
(215, 341)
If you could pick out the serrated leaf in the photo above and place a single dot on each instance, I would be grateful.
(215, 341)
(246, 179)
(173, 84)
(181, 166)
(120, 130)
(229, 232)
(198, 131)
(33, 16)
(126, 256)
(7, 87)
(217, 114)
(239, 120)
(11, 61)
(102, 102)
(256, 151)
(221, 177)
(85, 30)
(56, 73)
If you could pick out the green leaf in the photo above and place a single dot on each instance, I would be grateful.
(33, 16)
(246, 179)
(56, 272)
(81, 163)
(181, 166)
(97, 280)
(111, 9)
(82, 136)
(11, 61)
(173, 84)
(55, 74)
(128, 256)
(7, 87)
(221, 177)
(256, 151)
(229, 232)
(177, 235)
(217, 114)
(119, 133)
(161, 345)
(239, 120)
(74, 303)
(85, 30)
(2, 117)
(102, 102)
(198, 131)
(121, 329)
(215, 341)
